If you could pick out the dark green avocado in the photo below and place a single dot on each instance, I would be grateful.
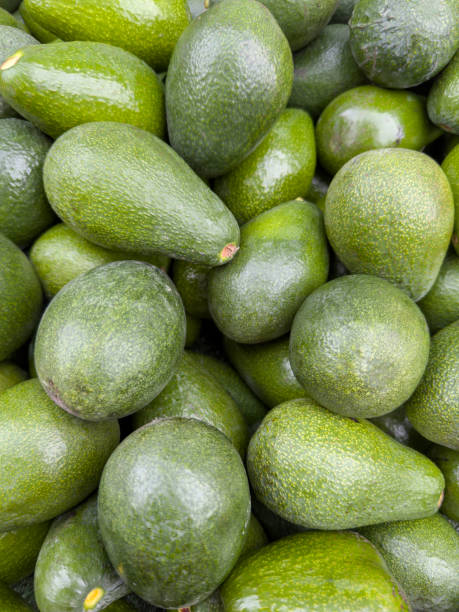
(19, 550)
(191, 282)
(447, 460)
(11, 601)
(441, 305)
(443, 100)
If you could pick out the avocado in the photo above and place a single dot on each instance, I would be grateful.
(314, 571)
(10, 375)
(174, 501)
(261, 181)
(21, 302)
(11, 39)
(390, 212)
(11, 601)
(97, 82)
(229, 79)
(325, 471)
(370, 117)
(9, 5)
(7, 19)
(194, 393)
(323, 70)
(19, 550)
(111, 340)
(162, 206)
(433, 409)
(249, 299)
(423, 555)
(59, 255)
(359, 346)
(402, 43)
(343, 11)
(193, 330)
(397, 425)
(441, 305)
(443, 100)
(50, 459)
(450, 167)
(448, 462)
(40, 33)
(191, 282)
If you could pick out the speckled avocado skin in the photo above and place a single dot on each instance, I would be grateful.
(19, 550)
(111, 340)
(40, 33)
(316, 572)
(157, 487)
(229, 78)
(423, 555)
(450, 167)
(11, 39)
(51, 460)
(62, 85)
(443, 100)
(11, 601)
(325, 471)
(173, 212)
(441, 305)
(191, 282)
(447, 460)
(10, 375)
(390, 213)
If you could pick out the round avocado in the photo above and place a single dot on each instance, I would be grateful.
(10, 375)
(19, 550)
(447, 460)
(191, 282)
(441, 305)
(443, 100)
(450, 167)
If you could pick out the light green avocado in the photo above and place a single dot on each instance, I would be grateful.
(11, 601)
(443, 100)
(450, 167)
(10, 375)
(448, 462)
(40, 33)
(441, 305)
(19, 550)
(191, 282)
(7, 18)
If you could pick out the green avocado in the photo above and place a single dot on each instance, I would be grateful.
(7, 19)
(278, 170)
(40, 33)
(59, 255)
(443, 100)
(249, 299)
(423, 556)
(19, 550)
(447, 460)
(194, 393)
(323, 70)
(9, 5)
(325, 471)
(174, 501)
(110, 341)
(193, 330)
(397, 425)
(10, 375)
(343, 11)
(390, 212)
(434, 407)
(314, 571)
(50, 459)
(62, 85)
(229, 78)
(403, 43)
(11, 39)
(359, 346)
(162, 205)
(441, 305)
(11, 601)
(450, 167)
(191, 282)
(20, 306)
(370, 117)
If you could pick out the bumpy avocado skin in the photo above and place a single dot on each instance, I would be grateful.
(191, 282)
(448, 461)
(11, 39)
(229, 78)
(314, 571)
(51, 459)
(278, 170)
(11, 601)
(42, 34)
(390, 213)
(156, 489)
(423, 556)
(450, 167)
(19, 550)
(443, 100)
(10, 375)
(441, 305)
(434, 407)
(400, 43)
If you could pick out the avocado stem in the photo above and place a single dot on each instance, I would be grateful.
(12, 60)
(93, 598)
(228, 252)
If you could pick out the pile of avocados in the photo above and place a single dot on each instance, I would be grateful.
(229, 305)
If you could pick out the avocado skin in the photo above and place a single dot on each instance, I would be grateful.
(423, 556)
(433, 408)
(443, 99)
(51, 459)
(450, 167)
(110, 341)
(441, 305)
(11, 39)
(174, 213)
(397, 425)
(370, 117)
(154, 533)
(344, 11)
(314, 571)
(193, 330)
(220, 99)
(392, 339)
(278, 170)
(40, 33)
(7, 19)
(325, 471)
(10, 375)
(249, 300)
(19, 550)
(412, 210)
(406, 43)
(191, 282)
(448, 462)
(11, 601)
(62, 85)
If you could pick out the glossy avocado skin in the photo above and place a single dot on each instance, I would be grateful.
(325, 471)
(40, 33)
(314, 571)
(450, 167)
(278, 170)
(249, 300)
(448, 462)
(10, 375)
(441, 305)
(443, 100)
(434, 407)
(154, 492)
(11, 601)
(423, 556)
(412, 211)
(370, 117)
(221, 100)
(110, 341)
(62, 85)
(406, 43)
(11, 39)
(51, 459)
(146, 28)
(343, 11)
(397, 425)
(19, 550)
(191, 282)
(174, 212)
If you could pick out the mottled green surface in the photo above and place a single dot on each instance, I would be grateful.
(423, 556)
(390, 213)
(441, 305)
(7, 19)
(229, 78)
(11, 39)
(19, 550)
(278, 170)
(447, 460)
(443, 100)
(174, 507)
(397, 425)
(193, 329)
(11, 601)
(325, 471)
(191, 282)
(314, 572)
(42, 34)
(450, 167)
(50, 459)
(10, 375)
(344, 11)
